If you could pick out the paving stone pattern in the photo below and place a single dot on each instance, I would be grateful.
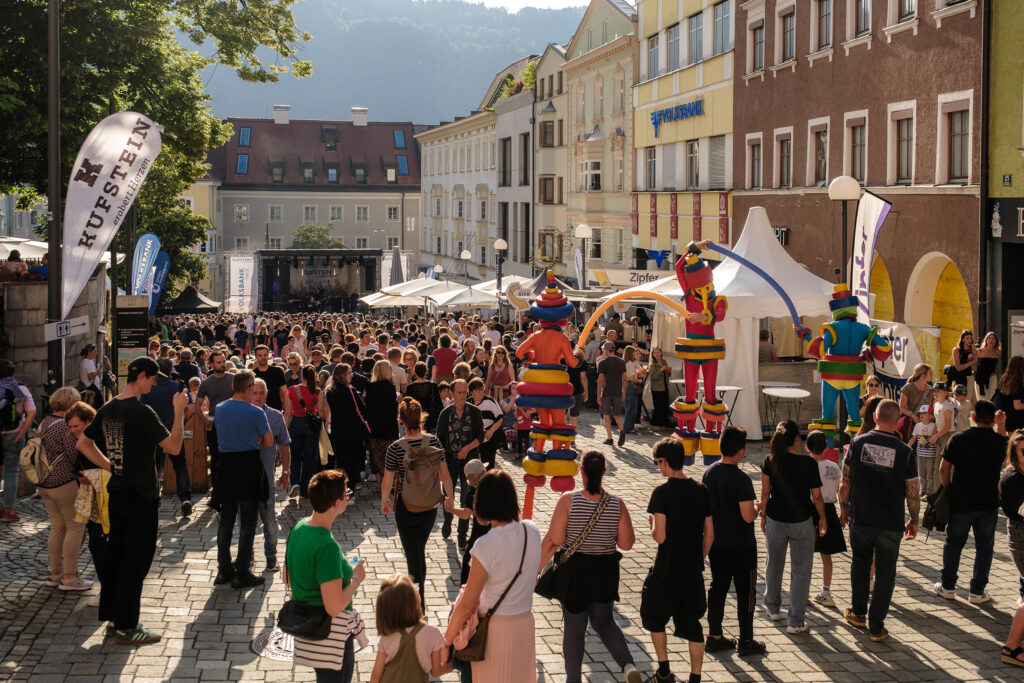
(47, 635)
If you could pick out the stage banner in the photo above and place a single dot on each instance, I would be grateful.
(241, 296)
(143, 260)
(871, 213)
(109, 170)
(158, 278)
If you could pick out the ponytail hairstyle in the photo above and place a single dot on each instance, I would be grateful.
(410, 414)
(786, 434)
(309, 378)
(593, 467)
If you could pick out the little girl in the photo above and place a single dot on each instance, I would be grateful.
(524, 418)
(409, 650)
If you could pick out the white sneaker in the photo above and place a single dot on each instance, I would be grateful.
(632, 675)
(796, 629)
(978, 599)
(774, 616)
(75, 584)
(943, 592)
(825, 599)
(94, 601)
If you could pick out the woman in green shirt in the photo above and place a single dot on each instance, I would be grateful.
(319, 574)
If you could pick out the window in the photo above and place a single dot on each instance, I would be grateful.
(242, 167)
(483, 255)
(692, 164)
(483, 209)
(403, 165)
(550, 247)
(241, 213)
(307, 174)
(652, 56)
(651, 157)
(862, 16)
(243, 136)
(399, 139)
(330, 139)
(505, 161)
(437, 207)
(723, 19)
(821, 157)
(392, 213)
(332, 174)
(189, 203)
(595, 244)
(392, 242)
(309, 214)
(696, 37)
(907, 9)
(620, 97)
(905, 151)
(277, 172)
(524, 159)
(241, 244)
(392, 174)
(824, 24)
(604, 31)
(547, 134)
(592, 175)
(716, 163)
(361, 175)
(959, 136)
(547, 190)
(618, 175)
(338, 213)
(362, 242)
(458, 208)
(786, 162)
(673, 47)
(275, 243)
(858, 152)
(458, 248)
(559, 90)
(275, 213)
(788, 36)
(755, 166)
(437, 245)
(362, 214)
(758, 47)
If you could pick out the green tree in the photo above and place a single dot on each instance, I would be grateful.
(309, 236)
(123, 55)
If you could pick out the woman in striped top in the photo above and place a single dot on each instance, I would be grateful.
(592, 584)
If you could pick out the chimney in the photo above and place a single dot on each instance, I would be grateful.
(359, 116)
(282, 112)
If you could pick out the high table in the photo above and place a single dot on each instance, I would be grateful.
(792, 396)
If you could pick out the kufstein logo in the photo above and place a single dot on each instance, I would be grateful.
(677, 113)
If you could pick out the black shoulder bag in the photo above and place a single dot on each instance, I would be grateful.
(299, 619)
(549, 584)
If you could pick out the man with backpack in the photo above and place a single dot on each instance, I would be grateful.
(17, 411)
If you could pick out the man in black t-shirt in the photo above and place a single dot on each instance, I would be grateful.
(681, 524)
(277, 391)
(128, 434)
(879, 473)
(977, 454)
(280, 336)
(733, 555)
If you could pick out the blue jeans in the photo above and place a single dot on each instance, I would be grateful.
(12, 454)
(883, 546)
(348, 667)
(983, 523)
(248, 511)
(268, 515)
(305, 454)
(799, 536)
(632, 404)
(181, 476)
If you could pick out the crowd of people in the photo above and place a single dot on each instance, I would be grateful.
(320, 407)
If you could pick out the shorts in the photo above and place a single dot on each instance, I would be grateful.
(575, 410)
(612, 405)
(683, 600)
(833, 542)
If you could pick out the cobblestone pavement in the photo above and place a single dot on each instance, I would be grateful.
(47, 635)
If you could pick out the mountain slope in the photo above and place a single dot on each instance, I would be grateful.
(423, 61)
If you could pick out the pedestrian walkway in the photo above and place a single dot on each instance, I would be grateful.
(47, 635)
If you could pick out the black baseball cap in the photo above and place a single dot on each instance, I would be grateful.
(144, 365)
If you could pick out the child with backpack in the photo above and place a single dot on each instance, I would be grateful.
(833, 542)
(408, 650)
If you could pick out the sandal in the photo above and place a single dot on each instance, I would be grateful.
(1013, 656)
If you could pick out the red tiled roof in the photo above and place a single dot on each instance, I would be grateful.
(301, 143)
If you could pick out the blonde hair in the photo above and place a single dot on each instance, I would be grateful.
(64, 398)
(381, 371)
(920, 370)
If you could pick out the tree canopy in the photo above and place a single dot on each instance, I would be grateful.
(121, 55)
(309, 236)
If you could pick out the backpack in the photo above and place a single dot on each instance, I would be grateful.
(421, 485)
(9, 416)
(33, 461)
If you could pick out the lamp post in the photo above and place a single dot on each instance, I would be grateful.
(500, 246)
(583, 232)
(465, 256)
(844, 189)
(266, 243)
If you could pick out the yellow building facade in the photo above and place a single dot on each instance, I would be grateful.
(683, 135)
(203, 199)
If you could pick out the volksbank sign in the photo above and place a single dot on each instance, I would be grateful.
(677, 113)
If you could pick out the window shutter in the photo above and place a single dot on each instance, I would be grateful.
(716, 160)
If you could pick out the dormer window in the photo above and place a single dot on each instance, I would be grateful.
(330, 136)
(332, 173)
(392, 174)
(277, 171)
(360, 173)
(307, 173)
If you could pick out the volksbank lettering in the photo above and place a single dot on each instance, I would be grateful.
(677, 113)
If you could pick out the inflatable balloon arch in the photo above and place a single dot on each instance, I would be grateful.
(545, 386)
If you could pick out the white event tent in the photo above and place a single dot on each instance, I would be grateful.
(750, 298)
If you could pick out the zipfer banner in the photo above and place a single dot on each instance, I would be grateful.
(105, 180)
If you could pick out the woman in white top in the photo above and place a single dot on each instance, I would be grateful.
(89, 376)
(634, 383)
(506, 557)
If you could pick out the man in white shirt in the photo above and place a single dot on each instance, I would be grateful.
(366, 345)
(492, 334)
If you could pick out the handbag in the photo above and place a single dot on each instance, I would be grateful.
(296, 618)
(477, 645)
(548, 585)
(313, 421)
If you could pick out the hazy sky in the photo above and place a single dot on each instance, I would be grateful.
(516, 5)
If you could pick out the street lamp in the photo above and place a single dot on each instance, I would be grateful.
(466, 255)
(583, 232)
(500, 247)
(844, 189)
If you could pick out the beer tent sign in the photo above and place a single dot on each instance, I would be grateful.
(105, 180)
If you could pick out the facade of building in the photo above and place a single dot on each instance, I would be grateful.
(203, 199)
(1004, 216)
(885, 91)
(599, 74)
(15, 223)
(552, 134)
(360, 177)
(682, 132)
(514, 192)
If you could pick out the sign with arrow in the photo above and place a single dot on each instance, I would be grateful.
(67, 328)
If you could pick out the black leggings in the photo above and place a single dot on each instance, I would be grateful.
(130, 549)
(729, 566)
(414, 531)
